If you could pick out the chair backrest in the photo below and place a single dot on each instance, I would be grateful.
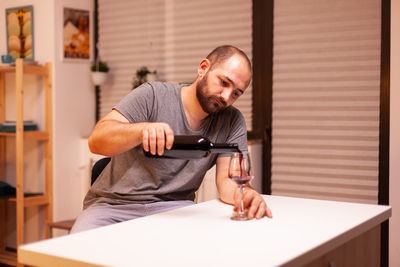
(98, 167)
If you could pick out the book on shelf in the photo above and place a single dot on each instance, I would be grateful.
(6, 190)
(9, 191)
(10, 126)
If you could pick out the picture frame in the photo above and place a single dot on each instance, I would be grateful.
(76, 35)
(19, 33)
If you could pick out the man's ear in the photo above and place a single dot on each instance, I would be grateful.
(203, 67)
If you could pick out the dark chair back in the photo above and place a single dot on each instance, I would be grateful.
(98, 167)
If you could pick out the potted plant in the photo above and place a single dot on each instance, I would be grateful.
(143, 75)
(99, 72)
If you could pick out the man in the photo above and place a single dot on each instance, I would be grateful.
(133, 185)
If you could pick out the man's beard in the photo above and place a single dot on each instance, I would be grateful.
(208, 102)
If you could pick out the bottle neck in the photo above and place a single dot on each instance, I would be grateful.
(221, 148)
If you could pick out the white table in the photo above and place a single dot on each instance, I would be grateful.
(203, 235)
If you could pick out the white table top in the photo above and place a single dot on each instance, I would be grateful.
(203, 235)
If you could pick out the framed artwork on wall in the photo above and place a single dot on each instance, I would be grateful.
(20, 39)
(76, 34)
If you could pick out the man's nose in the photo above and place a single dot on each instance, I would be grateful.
(226, 94)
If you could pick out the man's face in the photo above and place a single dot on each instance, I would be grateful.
(223, 85)
(209, 103)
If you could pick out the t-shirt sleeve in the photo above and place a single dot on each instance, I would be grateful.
(138, 104)
(238, 132)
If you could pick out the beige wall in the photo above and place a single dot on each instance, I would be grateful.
(394, 183)
(74, 117)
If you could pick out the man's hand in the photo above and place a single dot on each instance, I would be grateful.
(157, 136)
(254, 202)
(114, 134)
(229, 193)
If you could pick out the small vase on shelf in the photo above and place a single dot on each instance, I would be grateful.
(99, 72)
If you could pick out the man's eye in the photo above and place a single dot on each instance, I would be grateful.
(224, 83)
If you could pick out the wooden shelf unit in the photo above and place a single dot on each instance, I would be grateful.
(22, 200)
(29, 135)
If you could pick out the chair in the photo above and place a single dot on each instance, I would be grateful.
(97, 168)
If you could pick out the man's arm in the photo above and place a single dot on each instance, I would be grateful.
(229, 193)
(114, 134)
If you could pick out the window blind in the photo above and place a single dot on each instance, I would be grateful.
(326, 82)
(170, 37)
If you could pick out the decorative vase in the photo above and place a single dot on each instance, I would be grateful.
(99, 78)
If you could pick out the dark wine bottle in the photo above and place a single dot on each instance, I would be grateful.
(194, 147)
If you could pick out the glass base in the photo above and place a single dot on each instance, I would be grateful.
(236, 217)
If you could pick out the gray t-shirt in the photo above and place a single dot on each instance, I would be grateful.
(131, 177)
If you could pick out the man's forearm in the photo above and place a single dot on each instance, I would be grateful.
(112, 137)
(227, 190)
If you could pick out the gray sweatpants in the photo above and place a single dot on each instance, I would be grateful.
(102, 214)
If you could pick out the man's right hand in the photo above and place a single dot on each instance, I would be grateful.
(114, 134)
(156, 136)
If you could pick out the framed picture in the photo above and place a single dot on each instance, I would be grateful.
(76, 33)
(20, 32)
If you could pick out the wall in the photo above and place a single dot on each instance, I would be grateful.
(73, 98)
(394, 182)
(74, 117)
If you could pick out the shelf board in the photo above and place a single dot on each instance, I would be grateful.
(9, 258)
(29, 135)
(35, 200)
(7, 68)
(28, 69)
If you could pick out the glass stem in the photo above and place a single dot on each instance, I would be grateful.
(241, 206)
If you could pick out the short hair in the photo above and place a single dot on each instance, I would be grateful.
(223, 53)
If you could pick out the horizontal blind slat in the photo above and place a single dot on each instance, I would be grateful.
(171, 37)
(325, 118)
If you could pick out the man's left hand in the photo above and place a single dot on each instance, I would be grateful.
(254, 202)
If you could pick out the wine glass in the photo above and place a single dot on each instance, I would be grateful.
(240, 171)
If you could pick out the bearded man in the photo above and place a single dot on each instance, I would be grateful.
(133, 185)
